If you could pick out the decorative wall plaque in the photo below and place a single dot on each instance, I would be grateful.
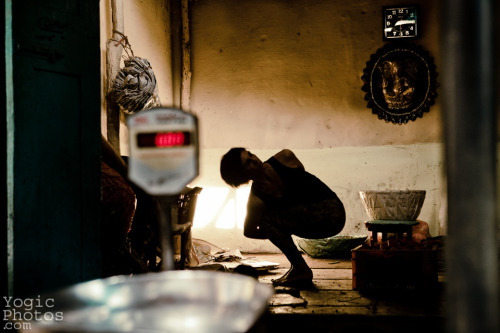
(400, 82)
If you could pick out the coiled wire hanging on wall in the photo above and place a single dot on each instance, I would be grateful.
(135, 84)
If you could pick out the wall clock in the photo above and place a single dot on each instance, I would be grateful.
(400, 83)
(400, 22)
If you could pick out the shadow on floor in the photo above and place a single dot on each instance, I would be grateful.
(331, 305)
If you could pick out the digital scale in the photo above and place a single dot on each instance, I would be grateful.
(164, 152)
(163, 159)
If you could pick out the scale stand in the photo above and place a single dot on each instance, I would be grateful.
(166, 233)
(164, 158)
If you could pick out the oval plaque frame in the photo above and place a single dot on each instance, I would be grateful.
(400, 82)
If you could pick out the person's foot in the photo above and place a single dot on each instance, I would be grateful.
(295, 277)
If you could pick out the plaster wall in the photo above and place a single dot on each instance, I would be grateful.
(273, 74)
(147, 27)
(277, 74)
(346, 170)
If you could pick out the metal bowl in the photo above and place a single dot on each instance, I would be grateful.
(339, 246)
(173, 301)
(393, 205)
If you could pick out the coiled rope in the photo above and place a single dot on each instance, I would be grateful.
(135, 85)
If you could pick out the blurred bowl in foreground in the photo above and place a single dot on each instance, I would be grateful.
(173, 301)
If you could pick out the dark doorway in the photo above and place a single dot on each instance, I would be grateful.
(56, 155)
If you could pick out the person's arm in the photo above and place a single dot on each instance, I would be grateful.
(255, 210)
(288, 158)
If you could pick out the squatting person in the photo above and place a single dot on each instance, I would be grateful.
(284, 200)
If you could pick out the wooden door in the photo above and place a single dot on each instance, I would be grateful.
(56, 72)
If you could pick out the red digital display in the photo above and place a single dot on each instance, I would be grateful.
(163, 139)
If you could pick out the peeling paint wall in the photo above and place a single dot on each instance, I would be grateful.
(347, 170)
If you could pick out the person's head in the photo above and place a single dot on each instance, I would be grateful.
(231, 168)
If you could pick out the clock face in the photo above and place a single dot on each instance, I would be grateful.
(400, 22)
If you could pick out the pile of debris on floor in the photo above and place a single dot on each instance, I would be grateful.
(205, 255)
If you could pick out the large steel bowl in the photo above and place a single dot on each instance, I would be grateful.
(173, 301)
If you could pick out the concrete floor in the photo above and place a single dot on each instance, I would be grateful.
(332, 305)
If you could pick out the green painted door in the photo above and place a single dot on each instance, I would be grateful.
(56, 71)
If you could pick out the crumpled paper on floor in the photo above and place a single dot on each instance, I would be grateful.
(209, 254)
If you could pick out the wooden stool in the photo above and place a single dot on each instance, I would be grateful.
(390, 226)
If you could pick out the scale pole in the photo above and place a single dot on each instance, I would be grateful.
(164, 208)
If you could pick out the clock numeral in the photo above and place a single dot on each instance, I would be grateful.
(388, 23)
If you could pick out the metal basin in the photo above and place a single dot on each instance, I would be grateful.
(339, 246)
(173, 301)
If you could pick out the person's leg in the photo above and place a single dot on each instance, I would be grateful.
(299, 273)
(319, 220)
